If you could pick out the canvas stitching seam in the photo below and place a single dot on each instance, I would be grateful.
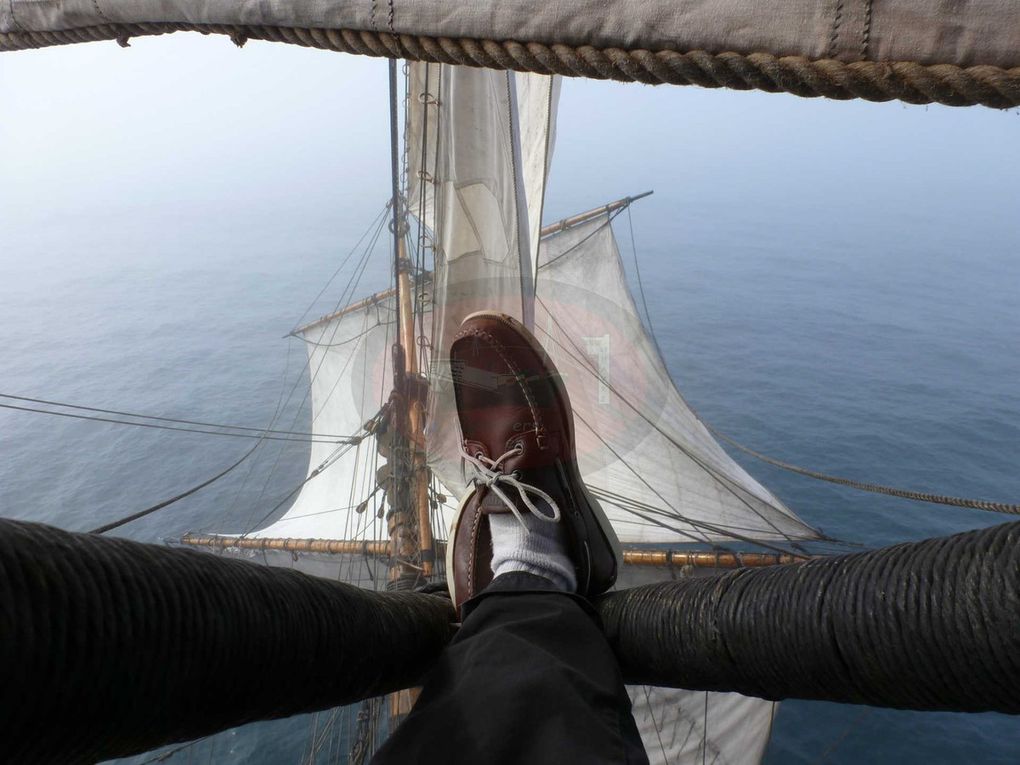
(371, 16)
(835, 29)
(866, 35)
(390, 18)
(103, 16)
(14, 18)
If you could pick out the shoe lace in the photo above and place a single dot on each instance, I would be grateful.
(490, 473)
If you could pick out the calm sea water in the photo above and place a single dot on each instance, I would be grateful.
(841, 294)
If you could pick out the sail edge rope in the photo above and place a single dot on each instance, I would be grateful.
(918, 496)
(907, 81)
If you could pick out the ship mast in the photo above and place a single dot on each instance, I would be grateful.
(409, 527)
(411, 549)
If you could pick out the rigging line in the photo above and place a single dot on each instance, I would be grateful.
(419, 308)
(164, 756)
(347, 257)
(313, 376)
(919, 496)
(362, 341)
(166, 419)
(700, 525)
(724, 481)
(662, 361)
(735, 489)
(655, 723)
(704, 732)
(313, 440)
(345, 297)
(167, 502)
(586, 364)
(641, 285)
(422, 183)
(356, 280)
(342, 342)
(272, 421)
(855, 723)
(395, 183)
(328, 462)
(601, 227)
(627, 503)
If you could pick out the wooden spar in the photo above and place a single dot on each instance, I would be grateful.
(632, 557)
(709, 559)
(552, 228)
(415, 413)
(288, 544)
(401, 520)
(576, 220)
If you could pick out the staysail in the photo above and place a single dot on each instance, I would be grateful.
(479, 191)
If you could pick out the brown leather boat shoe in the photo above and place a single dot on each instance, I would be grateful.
(518, 437)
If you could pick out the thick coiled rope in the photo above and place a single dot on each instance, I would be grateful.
(110, 647)
(932, 625)
(869, 80)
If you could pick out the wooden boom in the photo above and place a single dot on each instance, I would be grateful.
(632, 557)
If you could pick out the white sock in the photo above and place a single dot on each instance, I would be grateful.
(540, 552)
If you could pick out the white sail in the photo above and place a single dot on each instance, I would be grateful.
(349, 363)
(485, 183)
(657, 471)
(529, 113)
(350, 376)
(537, 101)
(680, 727)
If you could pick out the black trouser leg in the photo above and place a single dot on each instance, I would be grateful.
(529, 678)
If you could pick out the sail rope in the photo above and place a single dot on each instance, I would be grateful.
(166, 755)
(137, 415)
(329, 461)
(907, 81)
(167, 502)
(373, 226)
(918, 496)
(71, 415)
(723, 481)
(343, 446)
(346, 296)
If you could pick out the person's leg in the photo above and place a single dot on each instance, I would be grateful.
(529, 678)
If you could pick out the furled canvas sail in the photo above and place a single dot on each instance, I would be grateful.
(964, 32)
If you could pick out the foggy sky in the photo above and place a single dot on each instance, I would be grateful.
(285, 137)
